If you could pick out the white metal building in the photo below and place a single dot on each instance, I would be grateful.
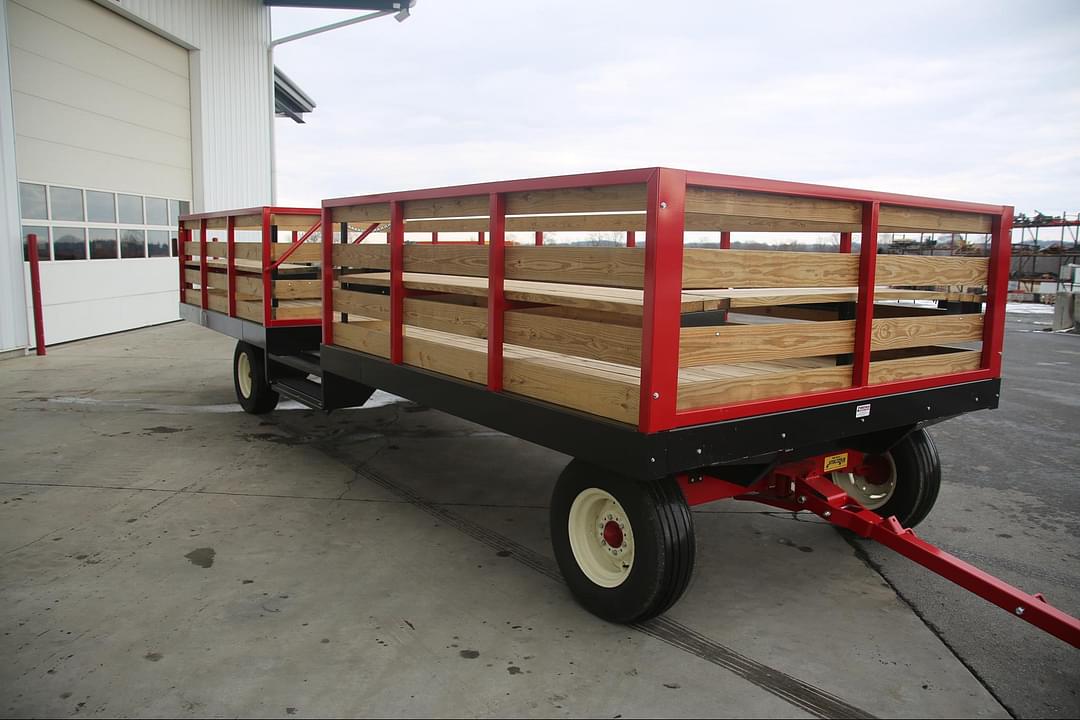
(115, 116)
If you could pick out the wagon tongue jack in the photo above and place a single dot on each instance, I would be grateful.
(802, 486)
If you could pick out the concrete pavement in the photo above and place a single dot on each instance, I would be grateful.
(166, 555)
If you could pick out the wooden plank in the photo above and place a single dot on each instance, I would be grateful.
(251, 221)
(455, 207)
(893, 333)
(932, 270)
(375, 212)
(924, 366)
(613, 343)
(741, 203)
(447, 317)
(708, 268)
(298, 310)
(302, 223)
(362, 256)
(218, 302)
(609, 198)
(740, 298)
(308, 252)
(469, 260)
(245, 251)
(448, 358)
(894, 218)
(597, 316)
(531, 223)
(742, 223)
(250, 310)
(606, 397)
(247, 285)
(700, 346)
(297, 289)
(248, 251)
(610, 266)
(762, 385)
(751, 343)
(607, 299)
(359, 336)
(362, 304)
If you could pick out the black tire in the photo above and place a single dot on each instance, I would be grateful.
(663, 543)
(918, 479)
(262, 398)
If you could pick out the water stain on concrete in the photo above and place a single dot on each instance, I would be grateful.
(802, 548)
(153, 656)
(469, 654)
(203, 557)
(504, 553)
(162, 430)
(514, 670)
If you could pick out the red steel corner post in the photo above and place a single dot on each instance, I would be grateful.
(230, 263)
(997, 290)
(203, 269)
(539, 238)
(662, 309)
(397, 281)
(35, 293)
(864, 311)
(631, 238)
(725, 240)
(845, 242)
(267, 259)
(496, 297)
(327, 277)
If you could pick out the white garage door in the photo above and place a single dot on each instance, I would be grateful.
(103, 153)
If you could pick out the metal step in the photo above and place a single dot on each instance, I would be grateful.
(302, 390)
(305, 362)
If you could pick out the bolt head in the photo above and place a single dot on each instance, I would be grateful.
(802, 499)
(827, 514)
(699, 451)
(1020, 610)
(656, 396)
(783, 435)
(663, 206)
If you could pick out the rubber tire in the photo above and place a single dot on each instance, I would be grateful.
(263, 398)
(663, 553)
(918, 479)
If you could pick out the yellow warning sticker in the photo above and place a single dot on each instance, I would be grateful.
(835, 462)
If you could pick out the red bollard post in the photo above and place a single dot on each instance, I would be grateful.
(35, 292)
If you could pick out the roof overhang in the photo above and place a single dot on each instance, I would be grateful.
(377, 5)
(289, 100)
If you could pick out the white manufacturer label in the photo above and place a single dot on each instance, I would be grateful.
(862, 411)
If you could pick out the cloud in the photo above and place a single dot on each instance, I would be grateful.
(966, 100)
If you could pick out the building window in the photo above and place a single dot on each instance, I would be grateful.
(32, 202)
(102, 244)
(84, 224)
(66, 203)
(42, 233)
(131, 210)
(69, 243)
(100, 207)
(157, 211)
(157, 243)
(132, 243)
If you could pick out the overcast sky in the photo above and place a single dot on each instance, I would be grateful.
(963, 100)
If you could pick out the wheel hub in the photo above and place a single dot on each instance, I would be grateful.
(871, 484)
(243, 374)
(601, 538)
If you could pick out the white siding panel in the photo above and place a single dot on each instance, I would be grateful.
(44, 36)
(95, 297)
(232, 113)
(45, 78)
(13, 324)
(85, 167)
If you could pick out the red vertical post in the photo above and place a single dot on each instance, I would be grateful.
(631, 238)
(230, 263)
(434, 236)
(845, 242)
(267, 260)
(725, 240)
(997, 290)
(327, 276)
(662, 309)
(864, 311)
(203, 269)
(539, 238)
(35, 293)
(181, 237)
(480, 237)
(496, 297)
(295, 236)
(397, 281)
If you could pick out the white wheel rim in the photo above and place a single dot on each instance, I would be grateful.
(243, 374)
(869, 494)
(604, 554)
